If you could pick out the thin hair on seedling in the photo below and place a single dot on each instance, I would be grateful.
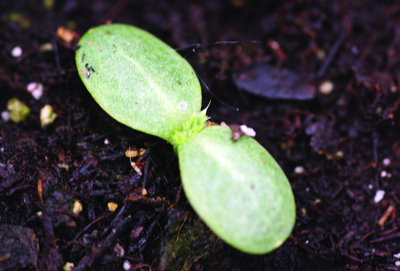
(199, 45)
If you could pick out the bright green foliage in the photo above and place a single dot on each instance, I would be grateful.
(237, 188)
(138, 79)
(194, 125)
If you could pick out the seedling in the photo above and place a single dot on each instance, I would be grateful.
(237, 188)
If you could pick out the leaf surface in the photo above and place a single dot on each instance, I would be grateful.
(138, 79)
(238, 189)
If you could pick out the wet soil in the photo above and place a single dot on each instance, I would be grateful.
(339, 149)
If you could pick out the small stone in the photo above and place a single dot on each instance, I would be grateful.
(248, 131)
(47, 115)
(35, 89)
(127, 265)
(77, 207)
(386, 162)
(5, 115)
(112, 206)
(339, 154)
(379, 196)
(299, 170)
(326, 87)
(16, 52)
(65, 34)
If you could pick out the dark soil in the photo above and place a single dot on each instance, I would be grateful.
(347, 142)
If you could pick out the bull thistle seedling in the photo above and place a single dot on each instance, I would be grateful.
(237, 188)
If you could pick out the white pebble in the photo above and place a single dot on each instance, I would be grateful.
(379, 196)
(397, 255)
(326, 87)
(16, 52)
(36, 89)
(248, 131)
(397, 263)
(5, 115)
(274, 45)
(383, 174)
(127, 265)
(386, 162)
(299, 170)
(106, 142)
(370, 186)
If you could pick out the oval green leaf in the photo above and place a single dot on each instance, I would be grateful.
(238, 189)
(138, 79)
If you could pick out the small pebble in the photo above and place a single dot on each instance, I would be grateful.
(397, 255)
(326, 87)
(299, 170)
(77, 207)
(16, 52)
(5, 115)
(127, 265)
(397, 263)
(386, 162)
(339, 154)
(379, 196)
(112, 206)
(47, 115)
(274, 45)
(383, 174)
(35, 89)
(106, 142)
(321, 54)
(248, 131)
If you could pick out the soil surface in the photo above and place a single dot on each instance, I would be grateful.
(338, 142)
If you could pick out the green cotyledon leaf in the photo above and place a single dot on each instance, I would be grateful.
(138, 79)
(238, 189)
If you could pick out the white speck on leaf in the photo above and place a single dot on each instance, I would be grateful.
(182, 105)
